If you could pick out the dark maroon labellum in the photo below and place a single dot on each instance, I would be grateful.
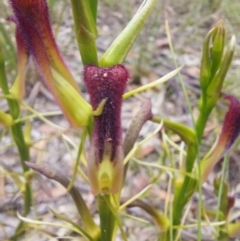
(109, 84)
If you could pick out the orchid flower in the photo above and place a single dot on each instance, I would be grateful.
(228, 136)
(106, 153)
(32, 19)
(105, 84)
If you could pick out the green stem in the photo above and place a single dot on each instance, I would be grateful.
(183, 195)
(107, 218)
(221, 234)
(185, 191)
(85, 30)
(94, 7)
(17, 135)
(200, 125)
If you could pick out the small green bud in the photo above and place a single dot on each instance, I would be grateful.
(215, 87)
(6, 120)
(218, 39)
(205, 70)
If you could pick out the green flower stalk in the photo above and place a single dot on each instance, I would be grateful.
(105, 160)
(32, 19)
(214, 67)
(6, 120)
(215, 86)
(17, 136)
(120, 47)
(84, 14)
(213, 47)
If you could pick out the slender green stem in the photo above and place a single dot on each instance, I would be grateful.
(94, 6)
(81, 146)
(179, 75)
(107, 218)
(200, 125)
(221, 235)
(186, 190)
(85, 30)
(17, 135)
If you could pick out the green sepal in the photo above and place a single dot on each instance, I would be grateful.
(212, 214)
(117, 52)
(6, 120)
(159, 219)
(218, 39)
(189, 190)
(187, 134)
(205, 69)
(85, 30)
(233, 229)
(215, 87)
(224, 195)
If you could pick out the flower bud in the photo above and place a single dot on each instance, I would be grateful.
(6, 120)
(218, 40)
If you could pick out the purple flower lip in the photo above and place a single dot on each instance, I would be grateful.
(106, 142)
